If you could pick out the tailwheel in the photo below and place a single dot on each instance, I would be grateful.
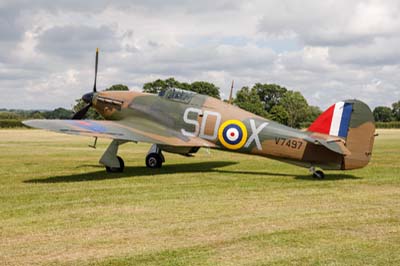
(319, 174)
(154, 160)
(119, 169)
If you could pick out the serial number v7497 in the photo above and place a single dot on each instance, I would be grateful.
(291, 143)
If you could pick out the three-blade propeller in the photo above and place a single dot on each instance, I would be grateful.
(88, 97)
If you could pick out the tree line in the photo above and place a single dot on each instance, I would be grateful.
(387, 114)
(271, 101)
(13, 117)
(201, 87)
(277, 103)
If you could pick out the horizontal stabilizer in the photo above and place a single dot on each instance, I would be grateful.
(335, 145)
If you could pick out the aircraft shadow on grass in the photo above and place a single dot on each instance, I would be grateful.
(199, 167)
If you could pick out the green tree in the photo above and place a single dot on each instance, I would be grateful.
(118, 87)
(201, 87)
(205, 88)
(279, 114)
(296, 106)
(313, 113)
(383, 114)
(172, 83)
(9, 115)
(270, 94)
(36, 115)
(185, 86)
(59, 113)
(249, 100)
(396, 110)
(159, 85)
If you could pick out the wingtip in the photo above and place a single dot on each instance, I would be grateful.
(34, 123)
(27, 123)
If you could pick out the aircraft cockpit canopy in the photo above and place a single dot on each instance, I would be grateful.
(177, 95)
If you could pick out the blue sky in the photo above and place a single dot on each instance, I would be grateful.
(327, 50)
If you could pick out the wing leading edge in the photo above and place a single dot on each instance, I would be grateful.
(115, 130)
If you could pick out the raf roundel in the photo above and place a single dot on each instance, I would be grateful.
(232, 134)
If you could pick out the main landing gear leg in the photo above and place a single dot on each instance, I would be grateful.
(112, 162)
(317, 173)
(154, 158)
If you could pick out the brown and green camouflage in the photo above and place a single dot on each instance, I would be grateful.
(181, 122)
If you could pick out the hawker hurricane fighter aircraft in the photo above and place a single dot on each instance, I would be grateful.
(182, 122)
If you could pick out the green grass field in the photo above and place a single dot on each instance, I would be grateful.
(59, 207)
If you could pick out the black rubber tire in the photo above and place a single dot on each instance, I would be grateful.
(319, 174)
(154, 160)
(119, 169)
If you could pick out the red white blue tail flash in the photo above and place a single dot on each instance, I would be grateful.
(334, 121)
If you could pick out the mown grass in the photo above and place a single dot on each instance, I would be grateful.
(59, 207)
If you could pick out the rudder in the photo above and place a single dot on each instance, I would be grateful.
(353, 121)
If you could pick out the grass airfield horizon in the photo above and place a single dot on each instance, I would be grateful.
(59, 207)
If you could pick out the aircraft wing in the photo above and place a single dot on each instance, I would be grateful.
(140, 132)
(334, 144)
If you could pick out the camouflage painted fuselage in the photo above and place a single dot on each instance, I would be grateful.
(181, 121)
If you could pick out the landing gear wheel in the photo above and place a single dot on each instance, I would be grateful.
(154, 160)
(119, 169)
(319, 174)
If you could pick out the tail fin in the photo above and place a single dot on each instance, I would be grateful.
(353, 121)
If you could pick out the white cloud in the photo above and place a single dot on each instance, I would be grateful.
(382, 51)
(73, 41)
(329, 50)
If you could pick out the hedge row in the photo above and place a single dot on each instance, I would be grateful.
(10, 123)
(393, 124)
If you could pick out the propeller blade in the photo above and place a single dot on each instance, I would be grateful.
(95, 70)
(81, 113)
(230, 94)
